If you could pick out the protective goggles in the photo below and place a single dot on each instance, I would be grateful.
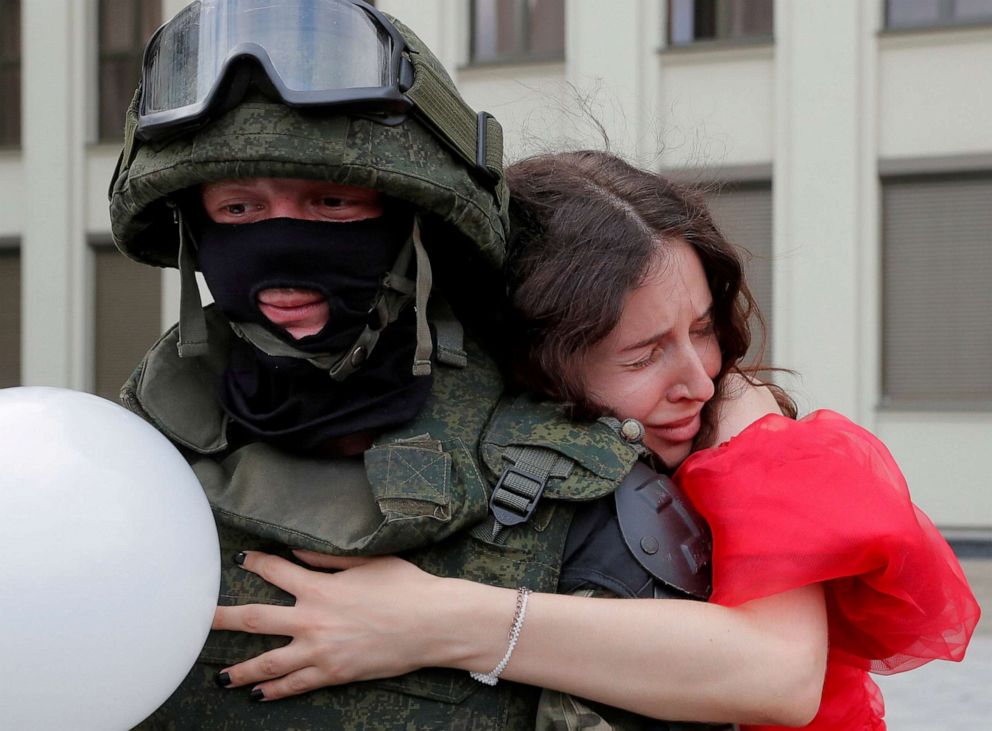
(326, 53)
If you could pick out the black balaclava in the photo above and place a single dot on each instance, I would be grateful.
(288, 401)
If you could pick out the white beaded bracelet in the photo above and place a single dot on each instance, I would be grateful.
(492, 677)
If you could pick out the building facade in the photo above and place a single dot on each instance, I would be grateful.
(847, 144)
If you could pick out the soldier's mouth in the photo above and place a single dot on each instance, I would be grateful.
(300, 312)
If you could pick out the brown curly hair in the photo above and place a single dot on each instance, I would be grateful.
(586, 228)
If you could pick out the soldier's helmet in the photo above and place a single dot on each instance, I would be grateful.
(325, 89)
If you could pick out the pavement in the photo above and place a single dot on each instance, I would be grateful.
(947, 695)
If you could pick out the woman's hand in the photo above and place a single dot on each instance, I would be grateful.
(371, 619)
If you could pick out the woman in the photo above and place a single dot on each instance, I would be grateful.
(632, 305)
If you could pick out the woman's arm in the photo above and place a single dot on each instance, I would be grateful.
(762, 662)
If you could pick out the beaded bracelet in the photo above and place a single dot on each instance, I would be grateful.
(492, 677)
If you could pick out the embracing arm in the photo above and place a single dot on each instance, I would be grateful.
(761, 662)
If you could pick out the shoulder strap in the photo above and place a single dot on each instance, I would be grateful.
(663, 531)
(520, 486)
(448, 331)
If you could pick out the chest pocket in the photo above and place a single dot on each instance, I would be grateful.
(403, 495)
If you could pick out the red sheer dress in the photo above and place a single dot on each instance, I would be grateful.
(820, 499)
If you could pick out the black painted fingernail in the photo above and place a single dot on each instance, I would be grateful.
(257, 694)
(223, 679)
(239, 558)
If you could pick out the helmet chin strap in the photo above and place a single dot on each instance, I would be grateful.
(395, 293)
(192, 323)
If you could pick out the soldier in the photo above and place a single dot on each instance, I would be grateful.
(348, 212)
(374, 197)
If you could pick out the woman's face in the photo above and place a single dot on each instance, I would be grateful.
(658, 364)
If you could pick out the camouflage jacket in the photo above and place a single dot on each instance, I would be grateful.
(421, 491)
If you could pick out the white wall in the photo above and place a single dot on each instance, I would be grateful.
(934, 93)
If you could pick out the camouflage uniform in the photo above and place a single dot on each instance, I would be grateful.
(423, 489)
(419, 491)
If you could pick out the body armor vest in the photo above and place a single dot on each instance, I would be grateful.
(416, 492)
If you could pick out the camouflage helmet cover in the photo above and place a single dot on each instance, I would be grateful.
(412, 161)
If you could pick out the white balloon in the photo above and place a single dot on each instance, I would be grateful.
(109, 563)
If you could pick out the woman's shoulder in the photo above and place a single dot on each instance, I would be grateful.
(743, 401)
(821, 500)
(773, 442)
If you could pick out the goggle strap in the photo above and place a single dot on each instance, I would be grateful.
(477, 138)
(192, 323)
(129, 148)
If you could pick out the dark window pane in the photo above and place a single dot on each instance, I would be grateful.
(705, 20)
(10, 109)
(937, 303)
(754, 18)
(128, 314)
(118, 80)
(10, 73)
(547, 28)
(922, 13)
(151, 19)
(973, 9)
(508, 27)
(744, 215)
(913, 12)
(118, 26)
(517, 29)
(10, 30)
(125, 26)
(10, 318)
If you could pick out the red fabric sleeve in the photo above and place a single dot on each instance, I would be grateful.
(821, 500)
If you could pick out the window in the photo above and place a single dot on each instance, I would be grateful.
(517, 30)
(925, 13)
(937, 302)
(691, 21)
(10, 73)
(125, 27)
(743, 211)
(128, 312)
(10, 317)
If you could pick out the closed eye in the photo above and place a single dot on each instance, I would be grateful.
(647, 360)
